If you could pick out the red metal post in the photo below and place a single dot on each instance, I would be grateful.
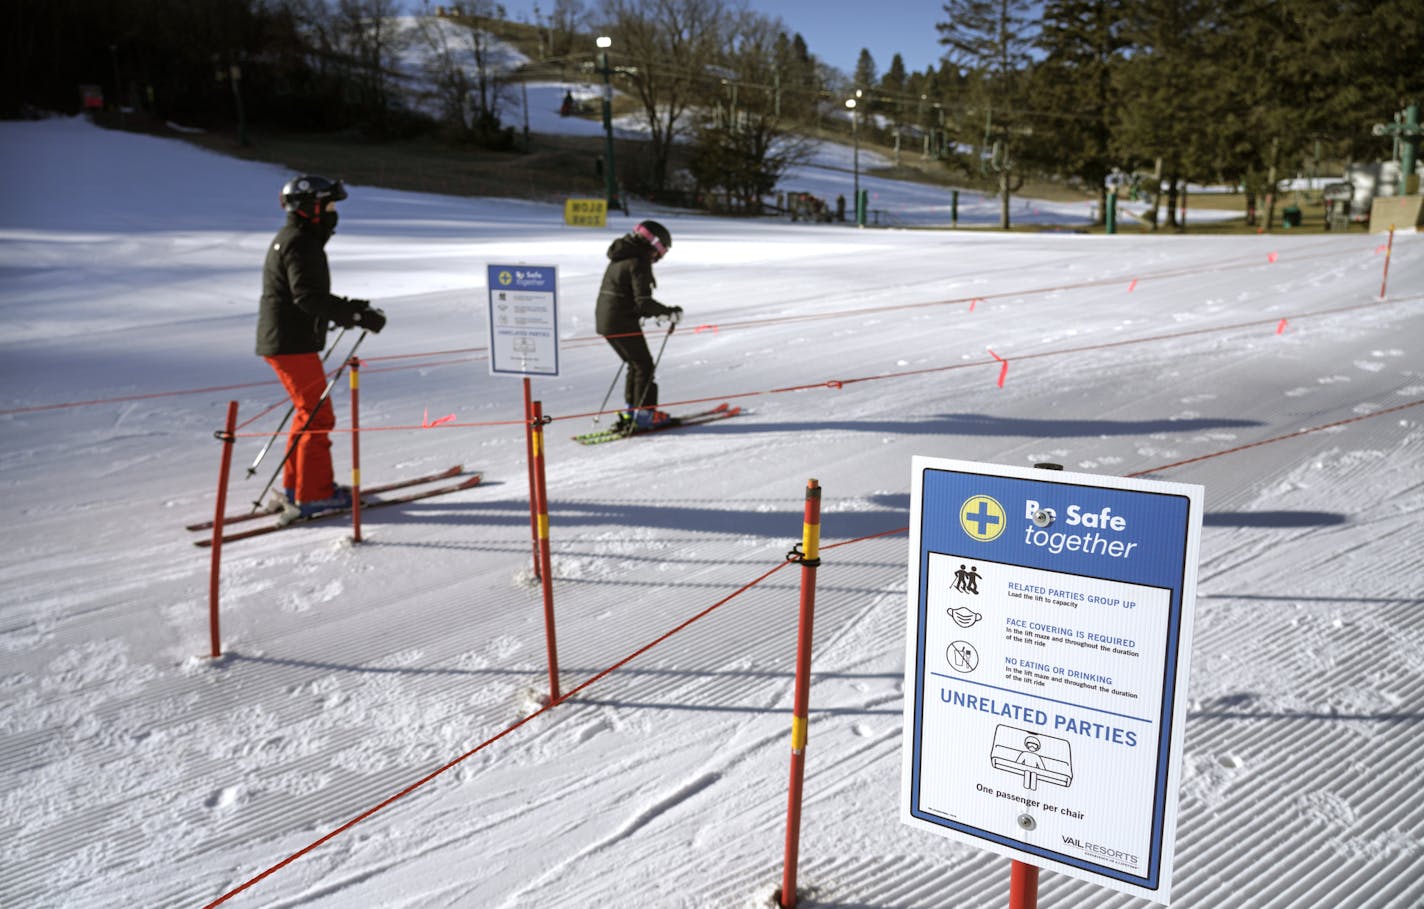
(1023, 886)
(810, 558)
(529, 457)
(226, 437)
(1388, 250)
(355, 365)
(545, 574)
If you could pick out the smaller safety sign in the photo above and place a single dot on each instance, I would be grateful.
(523, 320)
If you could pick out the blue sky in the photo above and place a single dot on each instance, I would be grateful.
(836, 30)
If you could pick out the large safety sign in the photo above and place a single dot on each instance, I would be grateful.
(523, 320)
(1048, 646)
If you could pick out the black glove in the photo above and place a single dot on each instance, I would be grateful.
(674, 314)
(371, 319)
(358, 314)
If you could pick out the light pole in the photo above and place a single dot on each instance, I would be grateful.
(609, 181)
(855, 159)
(118, 85)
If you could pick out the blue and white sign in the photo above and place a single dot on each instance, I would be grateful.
(1049, 636)
(523, 320)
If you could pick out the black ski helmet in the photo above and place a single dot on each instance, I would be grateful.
(656, 235)
(303, 195)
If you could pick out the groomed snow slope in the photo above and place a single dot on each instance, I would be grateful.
(134, 771)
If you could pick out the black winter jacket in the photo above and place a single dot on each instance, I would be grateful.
(627, 292)
(297, 302)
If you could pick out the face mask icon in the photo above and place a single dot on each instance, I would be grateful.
(964, 616)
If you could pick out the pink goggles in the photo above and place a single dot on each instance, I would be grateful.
(659, 249)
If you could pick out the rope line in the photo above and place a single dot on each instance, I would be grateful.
(836, 384)
(700, 615)
(490, 741)
(1290, 435)
(1206, 457)
(594, 340)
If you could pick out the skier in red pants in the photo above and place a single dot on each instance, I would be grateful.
(296, 306)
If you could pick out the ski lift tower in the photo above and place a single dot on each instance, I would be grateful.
(1405, 133)
(1407, 208)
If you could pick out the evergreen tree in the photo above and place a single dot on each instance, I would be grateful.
(865, 72)
(993, 40)
(1171, 113)
(1083, 43)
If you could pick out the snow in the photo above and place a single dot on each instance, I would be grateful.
(136, 771)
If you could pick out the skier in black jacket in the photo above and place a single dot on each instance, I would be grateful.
(625, 299)
(297, 303)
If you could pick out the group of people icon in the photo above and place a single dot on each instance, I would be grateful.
(967, 581)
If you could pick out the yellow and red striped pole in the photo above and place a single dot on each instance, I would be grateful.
(809, 555)
(226, 437)
(545, 575)
(355, 365)
(529, 456)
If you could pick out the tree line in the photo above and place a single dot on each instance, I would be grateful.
(1182, 91)
(1241, 92)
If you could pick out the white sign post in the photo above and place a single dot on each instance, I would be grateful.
(1049, 635)
(523, 320)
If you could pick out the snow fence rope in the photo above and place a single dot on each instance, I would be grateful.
(1290, 435)
(593, 340)
(709, 610)
(490, 741)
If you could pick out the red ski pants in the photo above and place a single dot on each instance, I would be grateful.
(308, 470)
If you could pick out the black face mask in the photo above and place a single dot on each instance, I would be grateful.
(328, 221)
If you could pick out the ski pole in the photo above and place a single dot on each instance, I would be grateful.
(292, 445)
(290, 410)
(598, 416)
(656, 360)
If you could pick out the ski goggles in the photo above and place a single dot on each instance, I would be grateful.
(659, 250)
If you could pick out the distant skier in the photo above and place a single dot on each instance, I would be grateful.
(296, 306)
(626, 298)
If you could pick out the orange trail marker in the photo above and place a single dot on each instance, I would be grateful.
(1003, 369)
(1133, 286)
(1271, 257)
(425, 420)
(1281, 328)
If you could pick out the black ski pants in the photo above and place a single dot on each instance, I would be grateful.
(639, 389)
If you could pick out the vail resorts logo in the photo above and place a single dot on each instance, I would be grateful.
(983, 518)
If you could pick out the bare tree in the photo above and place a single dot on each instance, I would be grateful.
(748, 144)
(666, 52)
(465, 65)
(563, 26)
(366, 40)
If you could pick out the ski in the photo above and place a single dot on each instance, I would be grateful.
(720, 412)
(466, 483)
(384, 487)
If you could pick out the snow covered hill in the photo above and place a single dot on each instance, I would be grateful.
(135, 771)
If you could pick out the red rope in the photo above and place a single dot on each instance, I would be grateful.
(700, 615)
(836, 384)
(587, 340)
(1293, 435)
(490, 741)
